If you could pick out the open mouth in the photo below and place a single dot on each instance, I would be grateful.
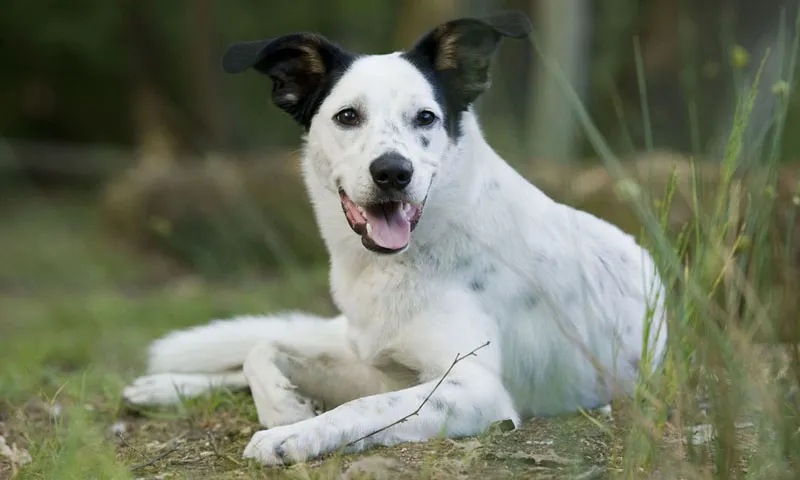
(384, 227)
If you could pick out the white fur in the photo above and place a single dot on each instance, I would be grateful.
(560, 295)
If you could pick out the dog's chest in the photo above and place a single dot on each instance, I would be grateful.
(380, 296)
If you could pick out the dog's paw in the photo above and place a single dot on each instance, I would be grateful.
(282, 406)
(162, 389)
(286, 445)
(288, 413)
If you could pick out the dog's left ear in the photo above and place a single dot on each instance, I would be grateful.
(302, 67)
(460, 52)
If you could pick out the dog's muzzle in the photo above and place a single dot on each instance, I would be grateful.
(384, 227)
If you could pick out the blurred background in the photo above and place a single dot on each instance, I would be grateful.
(116, 115)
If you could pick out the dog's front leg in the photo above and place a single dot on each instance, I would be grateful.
(464, 404)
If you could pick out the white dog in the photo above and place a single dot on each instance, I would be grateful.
(437, 247)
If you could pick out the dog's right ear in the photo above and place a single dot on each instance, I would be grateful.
(302, 67)
(459, 52)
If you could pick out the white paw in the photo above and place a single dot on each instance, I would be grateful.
(162, 389)
(289, 444)
(291, 411)
(279, 404)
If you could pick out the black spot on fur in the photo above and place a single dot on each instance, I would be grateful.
(604, 263)
(480, 281)
(463, 263)
(530, 301)
(454, 383)
(430, 258)
(303, 67)
(455, 58)
(438, 404)
(478, 284)
(424, 141)
(280, 450)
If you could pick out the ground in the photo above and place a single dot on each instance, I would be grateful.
(77, 310)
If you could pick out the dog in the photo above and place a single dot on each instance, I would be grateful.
(465, 292)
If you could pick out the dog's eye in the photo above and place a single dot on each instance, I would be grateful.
(425, 118)
(348, 117)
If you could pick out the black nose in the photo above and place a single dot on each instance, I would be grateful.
(391, 171)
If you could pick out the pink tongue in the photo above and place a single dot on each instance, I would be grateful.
(390, 228)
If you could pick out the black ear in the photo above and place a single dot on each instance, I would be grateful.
(460, 52)
(303, 68)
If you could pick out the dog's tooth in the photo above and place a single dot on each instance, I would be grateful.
(369, 229)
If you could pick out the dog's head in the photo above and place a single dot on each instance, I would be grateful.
(379, 126)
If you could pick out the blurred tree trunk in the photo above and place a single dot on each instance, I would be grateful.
(417, 16)
(156, 144)
(155, 141)
(203, 67)
(562, 29)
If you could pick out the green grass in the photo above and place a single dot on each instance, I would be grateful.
(713, 299)
(77, 312)
(78, 308)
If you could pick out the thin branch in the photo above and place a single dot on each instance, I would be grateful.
(125, 442)
(213, 442)
(156, 459)
(458, 358)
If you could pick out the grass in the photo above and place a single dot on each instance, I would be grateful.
(714, 298)
(78, 310)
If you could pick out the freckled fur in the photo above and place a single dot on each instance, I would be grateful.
(559, 340)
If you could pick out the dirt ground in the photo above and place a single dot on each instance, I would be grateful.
(74, 325)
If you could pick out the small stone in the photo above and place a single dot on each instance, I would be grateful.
(539, 442)
(119, 428)
(17, 456)
(502, 426)
(375, 467)
(702, 434)
(468, 445)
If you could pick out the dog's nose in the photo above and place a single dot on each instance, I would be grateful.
(391, 171)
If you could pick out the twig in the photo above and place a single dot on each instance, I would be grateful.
(156, 459)
(213, 442)
(125, 442)
(458, 358)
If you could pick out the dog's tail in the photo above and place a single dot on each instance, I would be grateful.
(223, 345)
